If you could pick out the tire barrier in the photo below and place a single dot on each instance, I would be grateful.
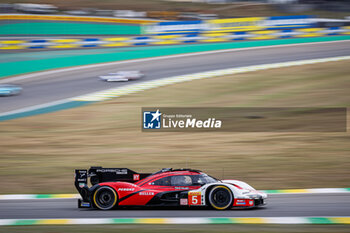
(172, 39)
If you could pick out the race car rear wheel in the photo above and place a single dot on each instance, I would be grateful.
(105, 198)
(220, 197)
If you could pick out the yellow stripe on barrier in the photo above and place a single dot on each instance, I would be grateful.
(214, 34)
(346, 28)
(266, 37)
(117, 39)
(263, 32)
(249, 220)
(64, 43)
(121, 41)
(310, 32)
(53, 221)
(263, 35)
(310, 35)
(12, 42)
(115, 44)
(166, 37)
(64, 46)
(310, 29)
(65, 40)
(13, 47)
(151, 221)
(214, 40)
(165, 42)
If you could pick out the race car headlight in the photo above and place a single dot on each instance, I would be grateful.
(252, 196)
(246, 191)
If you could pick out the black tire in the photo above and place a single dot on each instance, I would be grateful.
(220, 197)
(105, 198)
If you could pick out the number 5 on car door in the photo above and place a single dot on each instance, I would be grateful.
(194, 198)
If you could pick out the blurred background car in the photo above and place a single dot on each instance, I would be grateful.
(9, 90)
(122, 76)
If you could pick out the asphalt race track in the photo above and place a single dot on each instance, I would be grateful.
(285, 205)
(49, 88)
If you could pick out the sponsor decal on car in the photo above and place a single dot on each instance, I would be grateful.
(195, 198)
(240, 202)
(183, 201)
(146, 193)
(182, 188)
(85, 204)
(244, 202)
(126, 189)
(136, 176)
(117, 171)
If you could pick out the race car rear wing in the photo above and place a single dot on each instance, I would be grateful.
(99, 174)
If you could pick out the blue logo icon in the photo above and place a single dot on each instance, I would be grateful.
(151, 120)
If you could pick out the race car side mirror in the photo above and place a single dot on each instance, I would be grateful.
(197, 184)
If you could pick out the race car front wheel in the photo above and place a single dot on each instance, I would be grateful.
(220, 197)
(105, 198)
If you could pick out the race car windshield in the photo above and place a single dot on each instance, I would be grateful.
(203, 179)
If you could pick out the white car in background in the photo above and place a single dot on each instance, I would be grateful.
(10, 90)
(122, 76)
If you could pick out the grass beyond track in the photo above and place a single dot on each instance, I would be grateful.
(38, 154)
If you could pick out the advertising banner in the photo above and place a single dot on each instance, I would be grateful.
(230, 25)
(214, 25)
(235, 24)
(174, 27)
(289, 22)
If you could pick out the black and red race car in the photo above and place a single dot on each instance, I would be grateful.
(119, 187)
